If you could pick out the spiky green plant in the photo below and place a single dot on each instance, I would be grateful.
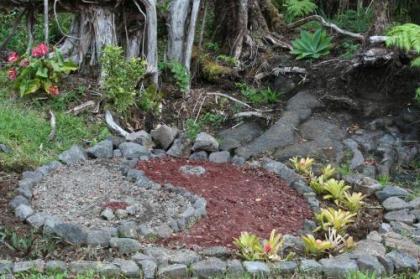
(312, 45)
(332, 218)
(336, 190)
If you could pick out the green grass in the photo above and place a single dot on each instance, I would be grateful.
(25, 130)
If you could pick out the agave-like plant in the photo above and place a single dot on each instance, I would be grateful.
(312, 45)
(353, 202)
(249, 246)
(316, 247)
(332, 218)
(336, 190)
(272, 246)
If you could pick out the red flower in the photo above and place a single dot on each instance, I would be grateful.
(267, 248)
(12, 73)
(40, 51)
(13, 57)
(24, 63)
(53, 90)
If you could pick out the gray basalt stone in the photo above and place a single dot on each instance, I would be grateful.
(199, 156)
(206, 142)
(391, 191)
(72, 233)
(22, 212)
(125, 245)
(103, 149)
(401, 215)
(403, 262)
(37, 220)
(128, 268)
(209, 268)
(25, 266)
(220, 157)
(98, 238)
(6, 267)
(234, 268)
(74, 155)
(362, 183)
(309, 266)
(128, 229)
(173, 271)
(50, 167)
(259, 269)
(284, 267)
(18, 200)
(131, 150)
(164, 135)
(394, 203)
(142, 138)
(338, 268)
(181, 148)
(369, 247)
(149, 268)
(370, 264)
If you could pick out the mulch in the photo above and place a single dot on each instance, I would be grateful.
(239, 199)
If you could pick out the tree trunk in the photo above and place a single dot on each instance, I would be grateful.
(381, 9)
(181, 30)
(240, 18)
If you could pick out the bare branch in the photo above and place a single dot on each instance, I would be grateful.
(114, 126)
(53, 123)
(326, 24)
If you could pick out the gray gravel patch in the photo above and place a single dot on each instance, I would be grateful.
(79, 193)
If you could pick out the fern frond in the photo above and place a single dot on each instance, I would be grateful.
(299, 8)
(405, 37)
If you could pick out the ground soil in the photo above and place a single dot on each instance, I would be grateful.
(239, 199)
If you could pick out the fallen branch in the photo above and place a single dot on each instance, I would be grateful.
(250, 114)
(377, 39)
(276, 42)
(232, 99)
(53, 123)
(114, 126)
(281, 70)
(82, 107)
(326, 24)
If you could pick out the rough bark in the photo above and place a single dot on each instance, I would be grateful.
(381, 9)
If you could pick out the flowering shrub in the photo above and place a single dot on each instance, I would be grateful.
(37, 72)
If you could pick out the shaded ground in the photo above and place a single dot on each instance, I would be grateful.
(239, 199)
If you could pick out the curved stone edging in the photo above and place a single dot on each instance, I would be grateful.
(369, 255)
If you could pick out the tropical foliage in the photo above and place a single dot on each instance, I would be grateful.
(312, 45)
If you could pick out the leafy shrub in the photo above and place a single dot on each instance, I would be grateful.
(350, 49)
(332, 218)
(312, 45)
(150, 99)
(355, 21)
(192, 128)
(353, 202)
(298, 8)
(255, 96)
(179, 73)
(120, 78)
(212, 46)
(28, 75)
(336, 189)
(212, 119)
(228, 60)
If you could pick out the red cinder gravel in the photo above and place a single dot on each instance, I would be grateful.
(239, 199)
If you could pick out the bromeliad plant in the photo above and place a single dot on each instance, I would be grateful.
(335, 190)
(251, 248)
(352, 202)
(316, 247)
(332, 218)
(303, 165)
(312, 45)
(40, 71)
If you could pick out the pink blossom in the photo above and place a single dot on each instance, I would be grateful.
(267, 248)
(12, 73)
(53, 90)
(24, 63)
(13, 57)
(40, 50)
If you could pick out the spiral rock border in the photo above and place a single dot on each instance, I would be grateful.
(157, 262)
